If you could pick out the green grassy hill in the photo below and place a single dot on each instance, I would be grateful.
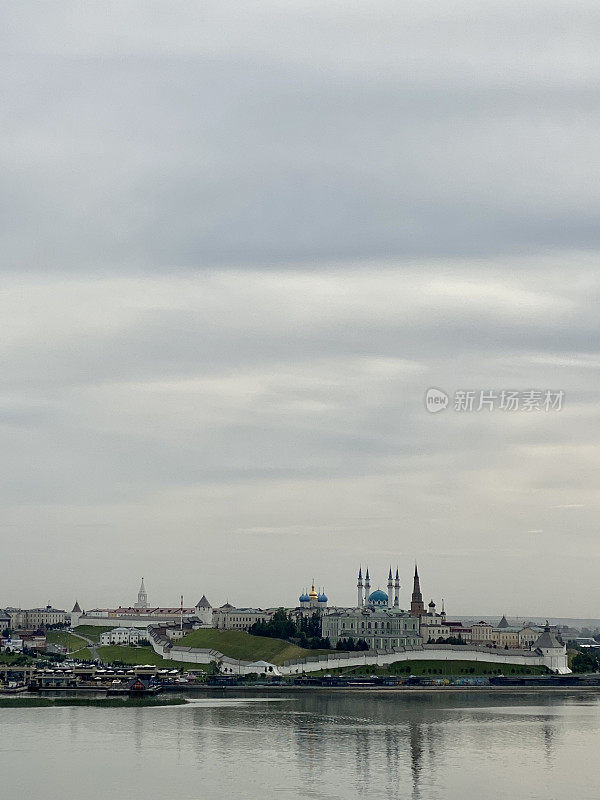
(68, 640)
(83, 655)
(141, 655)
(239, 644)
(91, 631)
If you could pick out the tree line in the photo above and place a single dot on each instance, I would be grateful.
(303, 631)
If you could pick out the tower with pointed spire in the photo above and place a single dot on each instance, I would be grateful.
(76, 614)
(204, 611)
(367, 586)
(397, 590)
(417, 607)
(360, 589)
(142, 601)
(390, 588)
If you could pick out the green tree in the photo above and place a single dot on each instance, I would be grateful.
(585, 661)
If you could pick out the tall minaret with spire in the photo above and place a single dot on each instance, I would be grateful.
(397, 590)
(417, 607)
(142, 601)
(367, 586)
(390, 589)
(359, 586)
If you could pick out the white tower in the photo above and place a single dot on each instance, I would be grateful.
(204, 612)
(142, 601)
(397, 590)
(367, 586)
(390, 589)
(76, 615)
(359, 586)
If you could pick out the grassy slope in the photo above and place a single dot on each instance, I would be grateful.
(239, 644)
(84, 655)
(68, 640)
(141, 655)
(91, 631)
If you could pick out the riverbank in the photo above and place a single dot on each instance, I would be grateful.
(99, 702)
(271, 691)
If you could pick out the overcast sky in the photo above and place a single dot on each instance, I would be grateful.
(239, 242)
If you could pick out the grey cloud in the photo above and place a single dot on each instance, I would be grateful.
(160, 151)
(239, 243)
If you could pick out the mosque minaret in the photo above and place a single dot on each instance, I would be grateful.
(360, 588)
(365, 597)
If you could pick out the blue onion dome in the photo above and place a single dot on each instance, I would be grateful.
(378, 598)
(304, 598)
(322, 597)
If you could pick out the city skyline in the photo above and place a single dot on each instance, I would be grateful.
(344, 600)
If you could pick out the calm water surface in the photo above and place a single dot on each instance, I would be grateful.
(322, 745)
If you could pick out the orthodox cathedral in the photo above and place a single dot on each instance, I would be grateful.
(313, 600)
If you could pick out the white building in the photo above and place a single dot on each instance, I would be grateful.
(382, 627)
(126, 636)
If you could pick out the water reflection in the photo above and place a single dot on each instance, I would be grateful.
(320, 745)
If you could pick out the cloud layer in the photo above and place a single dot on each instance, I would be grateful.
(239, 244)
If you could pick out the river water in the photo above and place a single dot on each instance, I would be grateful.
(428, 746)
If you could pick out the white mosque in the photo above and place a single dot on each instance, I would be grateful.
(377, 618)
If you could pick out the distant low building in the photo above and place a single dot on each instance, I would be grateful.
(482, 633)
(12, 644)
(460, 631)
(32, 640)
(141, 614)
(180, 632)
(528, 636)
(124, 636)
(586, 642)
(228, 617)
(34, 618)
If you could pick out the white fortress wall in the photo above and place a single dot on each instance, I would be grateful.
(425, 653)
(379, 658)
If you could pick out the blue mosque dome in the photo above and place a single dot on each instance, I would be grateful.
(378, 598)
(322, 597)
